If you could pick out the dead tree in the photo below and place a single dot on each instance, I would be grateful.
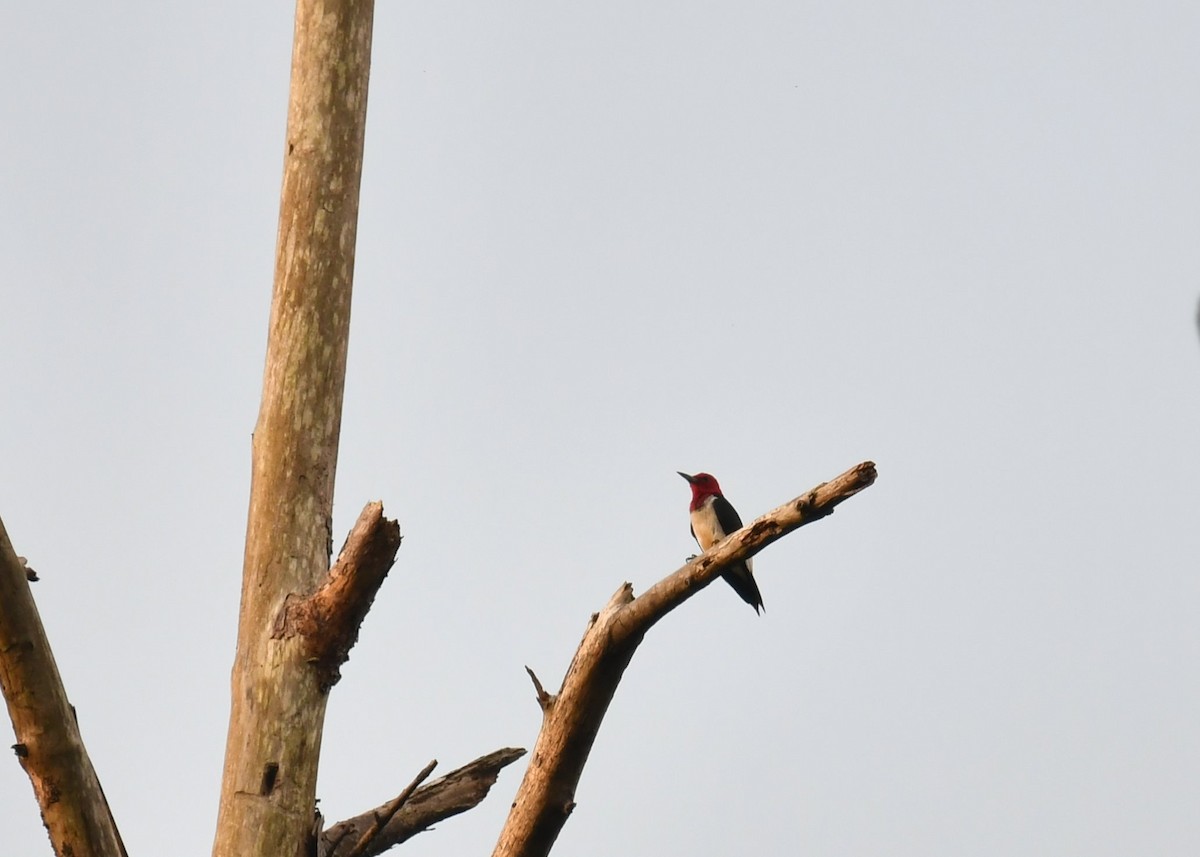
(300, 615)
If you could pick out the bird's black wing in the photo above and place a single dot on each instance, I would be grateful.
(740, 575)
(727, 516)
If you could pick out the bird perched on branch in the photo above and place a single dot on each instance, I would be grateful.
(713, 518)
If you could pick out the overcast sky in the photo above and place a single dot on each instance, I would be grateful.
(599, 243)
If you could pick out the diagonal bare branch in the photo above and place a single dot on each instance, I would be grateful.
(677, 587)
(49, 745)
(571, 718)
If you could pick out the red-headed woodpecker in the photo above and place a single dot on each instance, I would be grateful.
(713, 518)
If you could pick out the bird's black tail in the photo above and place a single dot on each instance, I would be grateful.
(742, 581)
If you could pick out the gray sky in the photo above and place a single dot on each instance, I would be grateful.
(600, 243)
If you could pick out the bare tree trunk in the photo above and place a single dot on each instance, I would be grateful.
(278, 701)
(299, 617)
(49, 746)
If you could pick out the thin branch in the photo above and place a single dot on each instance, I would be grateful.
(389, 811)
(455, 793)
(544, 699)
(330, 618)
(49, 745)
(546, 796)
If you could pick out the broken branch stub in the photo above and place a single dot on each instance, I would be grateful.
(330, 618)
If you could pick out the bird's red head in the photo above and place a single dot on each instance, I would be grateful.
(704, 485)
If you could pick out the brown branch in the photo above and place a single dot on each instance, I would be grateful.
(544, 699)
(571, 718)
(454, 793)
(673, 590)
(330, 618)
(389, 810)
(49, 745)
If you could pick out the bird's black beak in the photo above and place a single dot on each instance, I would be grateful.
(685, 476)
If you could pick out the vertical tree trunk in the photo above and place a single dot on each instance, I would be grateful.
(278, 704)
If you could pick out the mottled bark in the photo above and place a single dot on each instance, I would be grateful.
(278, 700)
(572, 717)
(48, 745)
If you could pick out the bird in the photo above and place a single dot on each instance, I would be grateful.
(713, 518)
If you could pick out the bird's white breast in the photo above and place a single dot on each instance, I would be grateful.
(705, 525)
(707, 529)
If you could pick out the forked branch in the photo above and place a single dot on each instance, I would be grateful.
(388, 811)
(454, 793)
